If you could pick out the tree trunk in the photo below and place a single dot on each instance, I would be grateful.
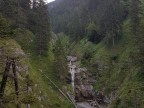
(15, 81)
(15, 77)
(113, 41)
(4, 79)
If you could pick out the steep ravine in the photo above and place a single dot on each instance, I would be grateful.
(34, 90)
(83, 91)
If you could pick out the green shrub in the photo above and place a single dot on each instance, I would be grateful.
(4, 27)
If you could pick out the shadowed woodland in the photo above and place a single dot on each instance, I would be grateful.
(72, 53)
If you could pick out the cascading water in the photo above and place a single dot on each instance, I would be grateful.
(72, 78)
(72, 71)
(83, 88)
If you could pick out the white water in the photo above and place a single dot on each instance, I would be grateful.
(73, 78)
(72, 71)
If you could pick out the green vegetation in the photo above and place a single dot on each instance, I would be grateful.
(4, 27)
(109, 44)
(25, 36)
(106, 36)
(40, 85)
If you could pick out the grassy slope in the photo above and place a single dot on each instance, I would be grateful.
(120, 78)
(39, 84)
(40, 65)
(44, 65)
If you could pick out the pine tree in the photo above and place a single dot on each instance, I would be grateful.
(137, 27)
(4, 27)
(39, 25)
(15, 11)
(111, 21)
(134, 14)
(60, 59)
(25, 4)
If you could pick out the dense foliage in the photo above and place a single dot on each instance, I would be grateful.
(107, 16)
(4, 27)
(27, 15)
(108, 39)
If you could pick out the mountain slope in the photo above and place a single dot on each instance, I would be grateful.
(116, 60)
(39, 92)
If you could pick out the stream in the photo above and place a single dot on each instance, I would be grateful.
(76, 83)
(72, 71)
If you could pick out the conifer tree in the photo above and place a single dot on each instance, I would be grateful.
(111, 21)
(4, 27)
(134, 15)
(39, 24)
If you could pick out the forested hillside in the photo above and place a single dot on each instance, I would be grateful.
(24, 43)
(107, 37)
(77, 18)
(72, 53)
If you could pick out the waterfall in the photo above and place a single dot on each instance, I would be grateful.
(72, 77)
(28, 106)
(72, 71)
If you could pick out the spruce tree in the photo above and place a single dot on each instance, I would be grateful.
(39, 24)
(134, 15)
(111, 21)
(4, 27)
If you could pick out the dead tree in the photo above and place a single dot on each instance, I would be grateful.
(10, 62)
(4, 78)
(15, 77)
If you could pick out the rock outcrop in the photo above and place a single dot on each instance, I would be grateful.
(71, 58)
(83, 89)
(81, 83)
(10, 49)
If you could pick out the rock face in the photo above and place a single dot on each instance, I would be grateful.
(10, 49)
(83, 89)
(81, 81)
(84, 105)
(71, 58)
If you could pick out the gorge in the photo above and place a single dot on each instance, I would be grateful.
(72, 53)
